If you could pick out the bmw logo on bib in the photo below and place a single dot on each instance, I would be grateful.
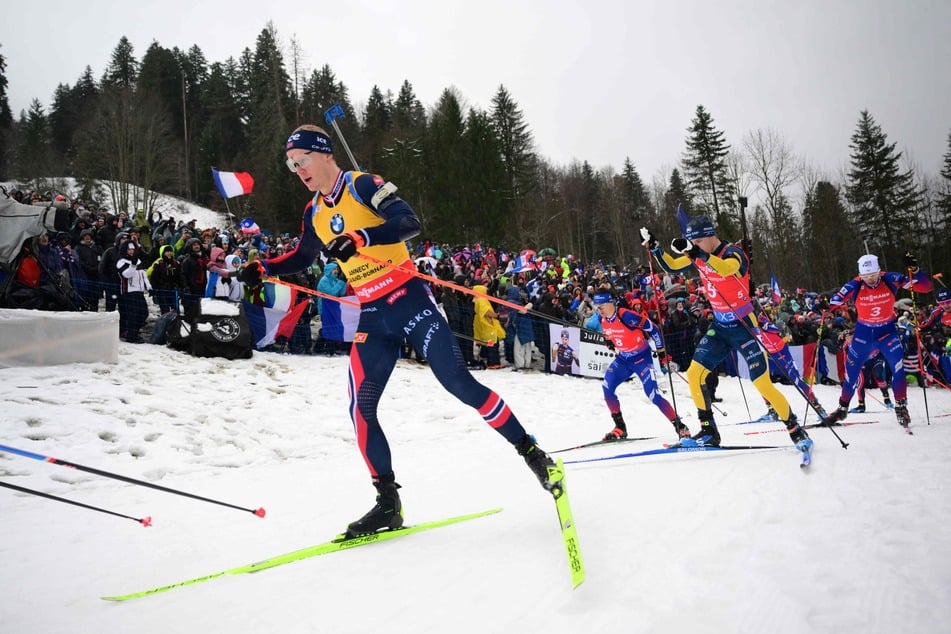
(336, 224)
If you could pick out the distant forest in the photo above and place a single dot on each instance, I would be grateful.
(160, 122)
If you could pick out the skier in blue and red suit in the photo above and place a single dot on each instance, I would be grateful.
(624, 332)
(874, 293)
(354, 213)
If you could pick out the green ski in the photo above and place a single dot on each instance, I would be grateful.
(333, 546)
(567, 522)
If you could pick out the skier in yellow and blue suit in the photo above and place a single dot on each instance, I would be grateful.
(353, 213)
(724, 272)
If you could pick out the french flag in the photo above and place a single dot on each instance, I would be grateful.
(231, 184)
(777, 292)
(339, 320)
(525, 261)
(277, 317)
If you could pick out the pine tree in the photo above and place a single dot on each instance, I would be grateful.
(162, 81)
(377, 125)
(632, 209)
(35, 156)
(517, 145)
(6, 120)
(322, 91)
(676, 195)
(70, 108)
(828, 255)
(319, 92)
(195, 73)
(486, 210)
(123, 69)
(222, 137)
(401, 161)
(445, 209)
(276, 200)
(409, 116)
(634, 195)
(944, 192)
(705, 170)
(590, 222)
(883, 198)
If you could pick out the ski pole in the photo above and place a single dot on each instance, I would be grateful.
(115, 476)
(660, 328)
(921, 363)
(144, 521)
(330, 116)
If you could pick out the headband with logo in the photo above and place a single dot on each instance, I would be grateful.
(310, 140)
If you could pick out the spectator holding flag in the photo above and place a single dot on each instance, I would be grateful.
(353, 213)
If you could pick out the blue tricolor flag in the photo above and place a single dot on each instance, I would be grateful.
(231, 184)
(338, 319)
(776, 291)
(525, 261)
(277, 317)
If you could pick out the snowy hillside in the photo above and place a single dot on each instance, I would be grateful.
(166, 205)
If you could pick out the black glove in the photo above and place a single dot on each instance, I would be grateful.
(610, 344)
(662, 358)
(344, 247)
(648, 239)
(911, 262)
(681, 246)
(252, 273)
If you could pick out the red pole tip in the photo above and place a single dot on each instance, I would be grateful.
(146, 521)
(260, 512)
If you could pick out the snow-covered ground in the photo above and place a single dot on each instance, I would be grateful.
(720, 542)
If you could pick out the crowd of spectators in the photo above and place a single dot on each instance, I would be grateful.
(88, 268)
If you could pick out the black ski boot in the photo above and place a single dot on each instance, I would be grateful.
(537, 460)
(386, 514)
(832, 420)
(708, 436)
(682, 430)
(797, 434)
(901, 412)
(620, 429)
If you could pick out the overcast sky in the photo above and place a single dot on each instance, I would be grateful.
(597, 81)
